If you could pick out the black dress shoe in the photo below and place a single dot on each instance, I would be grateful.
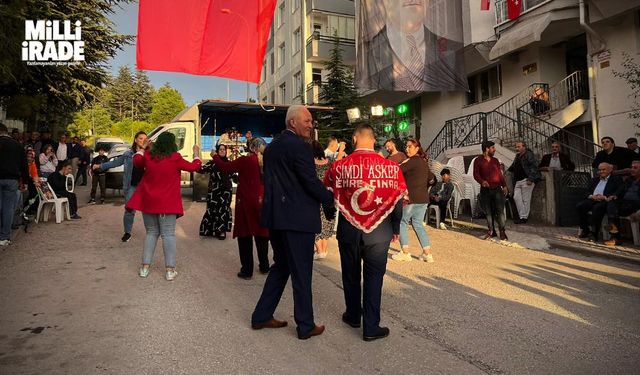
(244, 276)
(264, 271)
(584, 234)
(380, 334)
(349, 322)
(316, 331)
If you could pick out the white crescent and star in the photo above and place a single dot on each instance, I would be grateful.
(354, 201)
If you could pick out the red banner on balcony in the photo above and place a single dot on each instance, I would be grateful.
(484, 4)
(204, 37)
(513, 8)
(412, 45)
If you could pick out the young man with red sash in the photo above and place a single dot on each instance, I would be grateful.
(368, 191)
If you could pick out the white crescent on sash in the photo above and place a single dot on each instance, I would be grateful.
(354, 200)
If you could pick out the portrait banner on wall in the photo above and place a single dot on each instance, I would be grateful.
(410, 45)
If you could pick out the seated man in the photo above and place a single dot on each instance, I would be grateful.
(58, 182)
(624, 202)
(440, 194)
(556, 160)
(539, 101)
(600, 189)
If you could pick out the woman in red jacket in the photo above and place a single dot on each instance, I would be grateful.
(159, 199)
(248, 206)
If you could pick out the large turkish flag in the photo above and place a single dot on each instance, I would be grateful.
(224, 38)
(513, 8)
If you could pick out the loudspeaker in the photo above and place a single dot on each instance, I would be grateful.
(200, 187)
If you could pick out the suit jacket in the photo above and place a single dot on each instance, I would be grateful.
(624, 186)
(292, 190)
(443, 61)
(612, 186)
(383, 232)
(565, 162)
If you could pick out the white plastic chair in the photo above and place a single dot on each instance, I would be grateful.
(436, 211)
(70, 183)
(46, 204)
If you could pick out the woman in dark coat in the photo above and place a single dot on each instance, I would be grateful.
(217, 218)
(249, 195)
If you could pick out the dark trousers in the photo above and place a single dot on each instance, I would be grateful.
(82, 171)
(598, 210)
(245, 247)
(492, 202)
(292, 255)
(73, 201)
(443, 208)
(95, 180)
(374, 258)
(621, 207)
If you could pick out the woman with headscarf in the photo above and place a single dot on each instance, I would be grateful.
(217, 218)
(249, 195)
(159, 198)
(418, 176)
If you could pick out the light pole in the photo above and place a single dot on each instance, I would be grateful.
(246, 25)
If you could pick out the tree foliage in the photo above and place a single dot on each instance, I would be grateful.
(127, 128)
(54, 92)
(129, 95)
(167, 103)
(91, 121)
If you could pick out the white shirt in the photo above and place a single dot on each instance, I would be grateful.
(61, 154)
(554, 163)
(400, 46)
(599, 190)
(330, 154)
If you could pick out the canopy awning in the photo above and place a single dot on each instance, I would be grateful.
(516, 38)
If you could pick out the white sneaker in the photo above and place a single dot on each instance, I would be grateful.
(426, 258)
(144, 272)
(317, 255)
(5, 242)
(443, 226)
(171, 274)
(402, 257)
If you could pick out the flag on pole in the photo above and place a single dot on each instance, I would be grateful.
(204, 37)
(484, 4)
(513, 8)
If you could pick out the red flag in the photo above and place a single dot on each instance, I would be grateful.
(513, 8)
(484, 4)
(204, 37)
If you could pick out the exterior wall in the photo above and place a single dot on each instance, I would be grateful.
(613, 103)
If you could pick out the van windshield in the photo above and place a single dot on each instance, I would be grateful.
(154, 131)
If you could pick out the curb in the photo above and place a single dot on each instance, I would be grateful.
(590, 250)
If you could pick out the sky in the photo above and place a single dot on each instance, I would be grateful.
(192, 87)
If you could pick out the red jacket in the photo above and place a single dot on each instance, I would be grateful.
(159, 190)
(248, 196)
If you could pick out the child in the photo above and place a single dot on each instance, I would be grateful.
(97, 176)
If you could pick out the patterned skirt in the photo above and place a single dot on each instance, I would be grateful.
(327, 228)
(217, 218)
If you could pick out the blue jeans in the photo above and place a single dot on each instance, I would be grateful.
(129, 215)
(160, 225)
(8, 200)
(413, 214)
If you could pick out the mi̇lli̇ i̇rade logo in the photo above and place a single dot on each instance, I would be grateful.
(52, 43)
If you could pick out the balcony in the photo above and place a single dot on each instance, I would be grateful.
(313, 92)
(346, 7)
(525, 5)
(319, 48)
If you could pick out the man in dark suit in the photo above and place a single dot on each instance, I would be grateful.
(406, 56)
(556, 160)
(360, 239)
(600, 189)
(291, 211)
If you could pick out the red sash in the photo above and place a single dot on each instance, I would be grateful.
(366, 188)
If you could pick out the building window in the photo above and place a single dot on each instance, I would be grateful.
(316, 75)
(297, 84)
(272, 62)
(280, 15)
(485, 85)
(283, 92)
(295, 4)
(281, 54)
(297, 41)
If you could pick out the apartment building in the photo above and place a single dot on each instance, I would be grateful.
(302, 36)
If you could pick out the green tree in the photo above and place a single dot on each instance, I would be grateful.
(340, 93)
(91, 121)
(55, 92)
(122, 94)
(167, 103)
(143, 96)
(127, 128)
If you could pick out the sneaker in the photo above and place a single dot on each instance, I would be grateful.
(443, 226)
(126, 237)
(317, 255)
(426, 258)
(171, 274)
(402, 257)
(144, 272)
(92, 201)
(5, 242)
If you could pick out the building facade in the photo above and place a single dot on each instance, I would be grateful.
(302, 36)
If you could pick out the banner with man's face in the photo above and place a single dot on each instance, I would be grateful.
(410, 45)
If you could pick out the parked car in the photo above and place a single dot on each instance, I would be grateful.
(107, 144)
(113, 178)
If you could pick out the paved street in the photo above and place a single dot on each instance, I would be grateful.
(72, 303)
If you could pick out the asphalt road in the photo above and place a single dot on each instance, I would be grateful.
(71, 303)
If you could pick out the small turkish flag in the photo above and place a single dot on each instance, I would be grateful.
(484, 4)
(513, 8)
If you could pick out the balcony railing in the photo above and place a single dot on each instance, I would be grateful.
(525, 5)
(313, 92)
(319, 48)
